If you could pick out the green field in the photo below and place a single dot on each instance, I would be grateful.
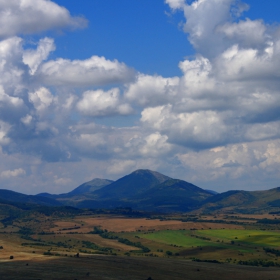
(176, 237)
(253, 237)
(189, 239)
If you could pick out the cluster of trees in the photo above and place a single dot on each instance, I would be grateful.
(93, 246)
(259, 263)
(201, 237)
(126, 241)
(268, 221)
(98, 230)
(210, 261)
(272, 251)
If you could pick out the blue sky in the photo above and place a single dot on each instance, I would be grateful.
(100, 88)
(146, 34)
(139, 33)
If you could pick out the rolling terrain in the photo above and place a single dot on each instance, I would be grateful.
(243, 202)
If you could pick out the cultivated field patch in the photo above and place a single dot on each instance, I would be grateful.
(254, 237)
(179, 238)
(122, 224)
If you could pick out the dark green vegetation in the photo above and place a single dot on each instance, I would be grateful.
(7, 195)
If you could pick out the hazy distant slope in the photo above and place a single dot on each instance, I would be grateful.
(131, 185)
(23, 198)
(90, 186)
(81, 192)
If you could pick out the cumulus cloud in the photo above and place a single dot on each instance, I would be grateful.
(219, 119)
(228, 93)
(175, 4)
(12, 68)
(11, 101)
(202, 27)
(4, 129)
(120, 166)
(196, 130)
(238, 166)
(94, 71)
(12, 173)
(33, 58)
(103, 103)
(41, 99)
(152, 90)
(33, 16)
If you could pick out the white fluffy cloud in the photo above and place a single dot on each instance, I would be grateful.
(60, 119)
(239, 166)
(204, 19)
(33, 58)
(95, 71)
(152, 90)
(41, 99)
(196, 130)
(103, 103)
(33, 16)
(228, 93)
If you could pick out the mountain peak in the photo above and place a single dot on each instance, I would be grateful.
(156, 174)
(136, 182)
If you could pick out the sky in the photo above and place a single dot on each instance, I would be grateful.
(97, 89)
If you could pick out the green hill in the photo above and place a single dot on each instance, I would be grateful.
(249, 202)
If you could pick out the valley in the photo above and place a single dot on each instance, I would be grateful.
(102, 244)
(145, 225)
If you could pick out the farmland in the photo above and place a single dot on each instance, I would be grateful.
(189, 242)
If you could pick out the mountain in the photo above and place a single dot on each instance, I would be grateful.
(90, 186)
(19, 197)
(211, 191)
(81, 191)
(147, 190)
(152, 191)
(131, 185)
(171, 195)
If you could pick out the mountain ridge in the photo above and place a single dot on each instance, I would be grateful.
(148, 190)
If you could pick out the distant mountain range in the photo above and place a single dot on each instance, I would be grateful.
(148, 190)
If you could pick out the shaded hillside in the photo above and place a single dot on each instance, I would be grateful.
(171, 195)
(243, 202)
(146, 190)
(19, 197)
(11, 211)
(128, 186)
